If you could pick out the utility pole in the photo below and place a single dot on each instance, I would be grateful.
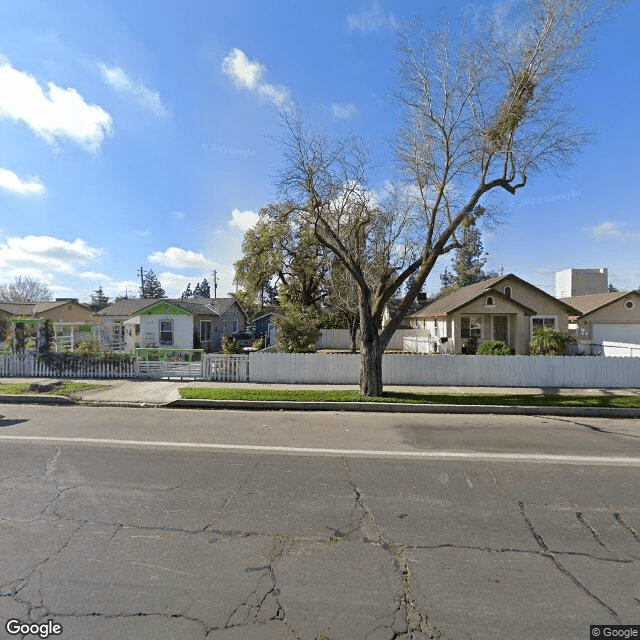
(215, 283)
(141, 274)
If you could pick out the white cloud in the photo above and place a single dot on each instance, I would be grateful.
(177, 215)
(9, 181)
(247, 74)
(41, 256)
(611, 229)
(142, 234)
(342, 111)
(54, 114)
(95, 276)
(177, 258)
(175, 283)
(125, 86)
(371, 19)
(243, 220)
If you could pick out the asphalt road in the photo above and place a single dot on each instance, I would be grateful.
(160, 523)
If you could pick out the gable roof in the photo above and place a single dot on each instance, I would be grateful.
(465, 295)
(33, 308)
(594, 301)
(197, 306)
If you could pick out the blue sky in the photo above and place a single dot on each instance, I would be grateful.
(140, 133)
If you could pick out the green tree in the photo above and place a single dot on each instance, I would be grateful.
(98, 299)
(187, 293)
(278, 248)
(482, 111)
(205, 289)
(469, 260)
(151, 287)
(298, 327)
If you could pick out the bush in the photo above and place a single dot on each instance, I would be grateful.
(230, 345)
(297, 328)
(258, 344)
(546, 341)
(495, 348)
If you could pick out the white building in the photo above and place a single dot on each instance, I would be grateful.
(581, 282)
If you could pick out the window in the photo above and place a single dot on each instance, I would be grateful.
(628, 304)
(235, 326)
(507, 292)
(205, 330)
(490, 302)
(470, 328)
(166, 332)
(542, 321)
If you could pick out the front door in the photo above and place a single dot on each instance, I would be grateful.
(501, 328)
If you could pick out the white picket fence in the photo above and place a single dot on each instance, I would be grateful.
(341, 338)
(402, 369)
(28, 366)
(447, 370)
(231, 368)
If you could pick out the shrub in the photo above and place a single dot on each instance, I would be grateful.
(230, 345)
(258, 344)
(297, 328)
(546, 341)
(495, 348)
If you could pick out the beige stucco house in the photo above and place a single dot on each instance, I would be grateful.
(62, 311)
(505, 308)
(606, 317)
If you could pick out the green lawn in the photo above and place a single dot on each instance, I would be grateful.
(293, 395)
(66, 388)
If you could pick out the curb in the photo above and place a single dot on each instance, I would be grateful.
(392, 407)
(27, 399)
(370, 407)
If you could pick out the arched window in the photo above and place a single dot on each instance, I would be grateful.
(490, 302)
(507, 292)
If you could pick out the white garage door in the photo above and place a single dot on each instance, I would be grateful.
(616, 333)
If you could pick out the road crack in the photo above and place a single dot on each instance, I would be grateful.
(552, 556)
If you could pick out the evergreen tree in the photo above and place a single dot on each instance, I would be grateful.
(197, 291)
(98, 299)
(151, 287)
(205, 289)
(187, 293)
(470, 258)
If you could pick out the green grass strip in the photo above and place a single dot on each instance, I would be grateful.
(306, 395)
(14, 388)
(66, 388)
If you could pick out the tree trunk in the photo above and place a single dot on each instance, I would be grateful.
(370, 355)
(353, 333)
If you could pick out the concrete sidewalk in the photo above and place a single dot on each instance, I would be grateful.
(164, 393)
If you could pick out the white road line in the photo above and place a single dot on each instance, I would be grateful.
(425, 455)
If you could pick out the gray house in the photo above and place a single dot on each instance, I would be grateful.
(210, 320)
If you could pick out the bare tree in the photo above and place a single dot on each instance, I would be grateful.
(483, 112)
(24, 289)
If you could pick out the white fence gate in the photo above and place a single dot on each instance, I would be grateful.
(166, 369)
(226, 368)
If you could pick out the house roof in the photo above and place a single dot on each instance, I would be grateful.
(33, 308)
(126, 307)
(594, 301)
(198, 306)
(461, 297)
(453, 301)
(18, 308)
